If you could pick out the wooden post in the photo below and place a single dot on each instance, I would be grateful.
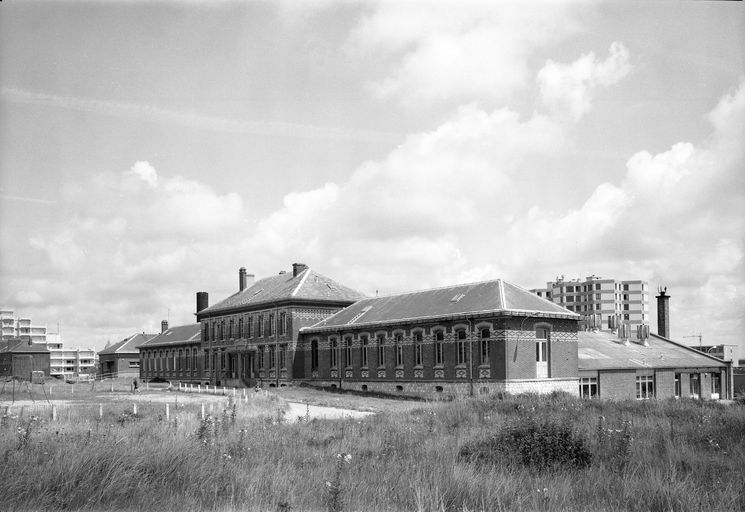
(202, 411)
(54, 413)
(100, 411)
(199, 388)
(134, 409)
(112, 385)
(234, 392)
(51, 388)
(168, 413)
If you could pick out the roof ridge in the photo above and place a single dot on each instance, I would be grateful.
(436, 288)
(307, 272)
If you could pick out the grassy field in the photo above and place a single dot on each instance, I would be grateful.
(521, 453)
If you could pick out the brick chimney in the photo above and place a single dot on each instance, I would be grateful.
(203, 301)
(163, 326)
(663, 313)
(298, 268)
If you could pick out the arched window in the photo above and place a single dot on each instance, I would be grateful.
(348, 352)
(334, 348)
(439, 342)
(399, 349)
(381, 349)
(485, 347)
(363, 350)
(418, 360)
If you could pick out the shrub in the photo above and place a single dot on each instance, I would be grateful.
(541, 446)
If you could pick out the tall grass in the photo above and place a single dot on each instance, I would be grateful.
(666, 455)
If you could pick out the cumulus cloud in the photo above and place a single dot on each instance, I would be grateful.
(565, 88)
(458, 51)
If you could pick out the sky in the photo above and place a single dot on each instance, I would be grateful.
(148, 150)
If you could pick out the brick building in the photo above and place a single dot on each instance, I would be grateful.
(122, 359)
(458, 340)
(623, 364)
(18, 358)
(174, 355)
(252, 336)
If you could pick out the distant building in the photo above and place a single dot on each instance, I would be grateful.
(17, 327)
(174, 355)
(18, 358)
(122, 359)
(70, 363)
(597, 300)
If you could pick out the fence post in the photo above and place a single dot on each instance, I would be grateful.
(51, 388)
(112, 385)
(234, 392)
(199, 388)
(100, 411)
(134, 409)
(202, 411)
(54, 413)
(168, 413)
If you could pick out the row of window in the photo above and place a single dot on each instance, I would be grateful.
(461, 341)
(170, 360)
(259, 326)
(266, 357)
(645, 386)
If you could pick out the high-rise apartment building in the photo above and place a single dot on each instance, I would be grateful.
(15, 327)
(598, 300)
(68, 362)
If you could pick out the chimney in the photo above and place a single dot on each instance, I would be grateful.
(163, 326)
(663, 313)
(202, 301)
(298, 268)
(242, 279)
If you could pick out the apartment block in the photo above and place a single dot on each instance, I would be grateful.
(598, 300)
(17, 327)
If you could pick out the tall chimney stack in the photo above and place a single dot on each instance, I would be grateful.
(163, 326)
(663, 312)
(242, 279)
(202, 301)
(298, 268)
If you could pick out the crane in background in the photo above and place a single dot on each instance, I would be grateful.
(699, 336)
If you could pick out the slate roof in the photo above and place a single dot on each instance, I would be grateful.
(307, 285)
(601, 350)
(22, 347)
(127, 345)
(177, 335)
(450, 301)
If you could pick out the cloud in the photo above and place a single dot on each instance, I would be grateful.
(565, 88)
(457, 51)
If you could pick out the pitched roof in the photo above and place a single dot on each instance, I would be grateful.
(22, 346)
(450, 301)
(176, 335)
(127, 345)
(307, 285)
(602, 350)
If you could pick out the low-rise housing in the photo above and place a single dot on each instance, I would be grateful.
(122, 359)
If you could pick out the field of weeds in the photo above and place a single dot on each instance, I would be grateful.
(517, 453)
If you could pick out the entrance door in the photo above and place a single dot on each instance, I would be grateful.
(541, 353)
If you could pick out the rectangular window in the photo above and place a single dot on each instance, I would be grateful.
(677, 385)
(240, 327)
(314, 354)
(348, 352)
(283, 356)
(570, 298)
(260, 355)
(260, 324)
(399, 350)
(230, 329)
(439, 340)
(194, 359)
(271, 356)
(363, 352)
(485, 350)
(334, 348)
(570, 289)
(462, 347)
(588, 387)
(205, 332)
(222, 329)
(381, 350)
(418, 359)
(250, 327)
(716, 386)
(644, 387)
(283, 323)
(270, 325)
